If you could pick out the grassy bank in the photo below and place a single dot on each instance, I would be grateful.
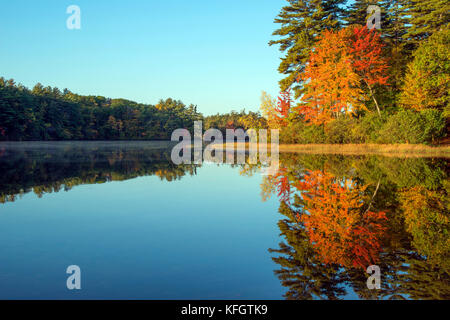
(394, 150)
(382, 149)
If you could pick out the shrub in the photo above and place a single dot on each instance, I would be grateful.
(406, 126)
(402, 127)
(413, 127)
(301, 133)
(369, 127)
(434, 125)
(341, 130)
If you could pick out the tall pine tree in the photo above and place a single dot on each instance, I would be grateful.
(300, 23)
(356, 13)
(426, 17)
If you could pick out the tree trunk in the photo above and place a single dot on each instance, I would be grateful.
(373, 97)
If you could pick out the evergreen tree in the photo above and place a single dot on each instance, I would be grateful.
(356, 13)
(301, 21)
(426, 17)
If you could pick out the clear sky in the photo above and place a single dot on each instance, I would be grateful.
(210, 53)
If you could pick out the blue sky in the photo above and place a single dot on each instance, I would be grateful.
(210, 53)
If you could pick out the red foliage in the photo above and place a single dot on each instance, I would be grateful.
(366, 49)
(283, 185)
(230, 124)
(341, 67)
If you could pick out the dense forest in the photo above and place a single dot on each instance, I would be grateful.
(46, 113)
(348, 80)
(343, 82)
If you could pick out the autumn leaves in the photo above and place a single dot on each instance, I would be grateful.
(340, 76)
(340, 225)
(337, 214)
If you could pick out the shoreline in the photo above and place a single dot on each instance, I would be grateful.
(388, 150)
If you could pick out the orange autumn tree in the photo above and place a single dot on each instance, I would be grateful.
(341, 65)
(339, 228)
(331, 83)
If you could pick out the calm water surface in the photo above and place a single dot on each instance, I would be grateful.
(141, 227)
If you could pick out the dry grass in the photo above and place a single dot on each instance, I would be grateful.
(393, 150)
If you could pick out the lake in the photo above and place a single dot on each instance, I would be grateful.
(140, 227)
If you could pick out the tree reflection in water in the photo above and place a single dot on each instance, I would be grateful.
(343, 214)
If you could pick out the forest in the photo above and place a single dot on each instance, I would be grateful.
(343, 82)
(347, 81)
(46, 113)
(49, 114)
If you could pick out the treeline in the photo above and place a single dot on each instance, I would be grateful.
(336, 69)
(46, 113)
(234, 120)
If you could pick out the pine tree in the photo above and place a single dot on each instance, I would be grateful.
(427, 17)
(393, 17)
(356, 13)
(301, 22)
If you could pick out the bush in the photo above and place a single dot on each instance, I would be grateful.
(402, 127)
(369, 127)
(413, 127)
(301, 133)
(406, 126)
(434, 125)
(342, 130)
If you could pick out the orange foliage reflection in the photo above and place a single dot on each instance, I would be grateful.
(339, 228)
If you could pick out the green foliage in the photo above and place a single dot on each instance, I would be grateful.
(301, 133)
(342, 130)
(234, 120)
(412, 127)
(402, 127)
(426, 17)
(434, 125)
(417, 79)
(369, 127)
(406, 126)
(427, 82)
(46, 113)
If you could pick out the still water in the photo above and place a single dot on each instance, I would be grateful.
(140, 227)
